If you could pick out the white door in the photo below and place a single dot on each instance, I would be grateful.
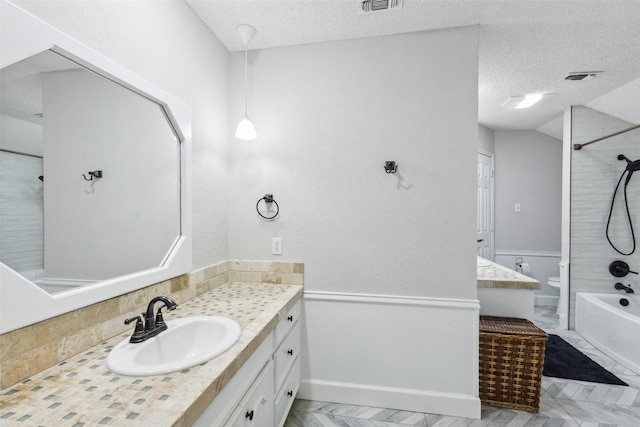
(484, 218)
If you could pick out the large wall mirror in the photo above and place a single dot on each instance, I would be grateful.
(93, 177)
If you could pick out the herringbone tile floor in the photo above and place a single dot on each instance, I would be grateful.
(563, 403)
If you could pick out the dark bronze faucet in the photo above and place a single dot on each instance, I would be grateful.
(619, 286)
(153, 324)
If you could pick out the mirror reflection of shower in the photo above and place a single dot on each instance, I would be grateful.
(22, 210)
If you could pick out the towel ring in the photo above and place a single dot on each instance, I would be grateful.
(268, 198)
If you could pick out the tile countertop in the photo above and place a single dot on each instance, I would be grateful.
(497, 276)
(81, 391)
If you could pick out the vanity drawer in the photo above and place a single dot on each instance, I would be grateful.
(255, 408)
(285, 355)
(285, 398)
(286, 323)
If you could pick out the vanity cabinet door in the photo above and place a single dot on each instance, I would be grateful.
(224, 409)
(236, 419)
(256, 407)
(287, 394)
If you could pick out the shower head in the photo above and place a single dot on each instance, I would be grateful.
(632, 165)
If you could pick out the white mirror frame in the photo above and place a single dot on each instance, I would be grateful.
(23, 303)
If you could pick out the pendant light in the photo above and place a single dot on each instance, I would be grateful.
(246, 130)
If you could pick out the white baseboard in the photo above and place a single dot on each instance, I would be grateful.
(457, 405)
(546, 300)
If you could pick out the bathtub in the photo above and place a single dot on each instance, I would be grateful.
(610, 326)
(52, 285)
(34, 275)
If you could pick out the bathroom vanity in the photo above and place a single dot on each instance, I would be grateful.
(255, 380)
(504, 292)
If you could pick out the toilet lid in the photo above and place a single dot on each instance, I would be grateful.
(554, 279)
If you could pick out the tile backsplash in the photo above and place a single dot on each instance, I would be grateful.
(283, 273)
(29, 350)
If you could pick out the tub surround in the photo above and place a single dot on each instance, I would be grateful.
(498, 276)
(81, 389)
(504, 292)
(34, 348)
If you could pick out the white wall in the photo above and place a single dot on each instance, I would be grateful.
(529, 172)
(328, 115)
(485, 139)
(166, 44)
(621, 103)
(415, 354)
(595, 171)
(20, 135)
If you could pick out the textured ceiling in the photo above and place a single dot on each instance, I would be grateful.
(525, 46)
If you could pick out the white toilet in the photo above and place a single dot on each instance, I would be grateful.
(554, 282)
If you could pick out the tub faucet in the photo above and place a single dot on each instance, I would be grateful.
(153, 324)
(621, 287)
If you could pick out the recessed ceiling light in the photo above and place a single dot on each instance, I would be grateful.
(529, 100)
(526, 101)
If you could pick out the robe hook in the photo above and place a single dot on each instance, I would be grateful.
(93, 174)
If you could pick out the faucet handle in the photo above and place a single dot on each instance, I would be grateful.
(159, 318)
(139, 320)
(139, 329)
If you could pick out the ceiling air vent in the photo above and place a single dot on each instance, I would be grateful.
(377, 5)
(586, 75)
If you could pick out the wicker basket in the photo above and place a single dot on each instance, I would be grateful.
(511, 361)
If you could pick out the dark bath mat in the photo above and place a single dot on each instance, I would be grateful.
(562, 360)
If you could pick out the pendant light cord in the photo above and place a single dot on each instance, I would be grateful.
(246, 84)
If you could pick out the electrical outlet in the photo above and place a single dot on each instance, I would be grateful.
(276, 246)
(516, 208)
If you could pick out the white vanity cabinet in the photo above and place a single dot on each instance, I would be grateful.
(261, 393)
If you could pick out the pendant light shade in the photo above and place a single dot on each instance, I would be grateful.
(246, 130)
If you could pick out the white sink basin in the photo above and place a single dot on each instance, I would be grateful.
(187, 342)
(481, 262)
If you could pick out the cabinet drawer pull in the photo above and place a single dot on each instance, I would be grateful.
(290, 352)
(249, 415)
(290, 393)
(290, 318)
